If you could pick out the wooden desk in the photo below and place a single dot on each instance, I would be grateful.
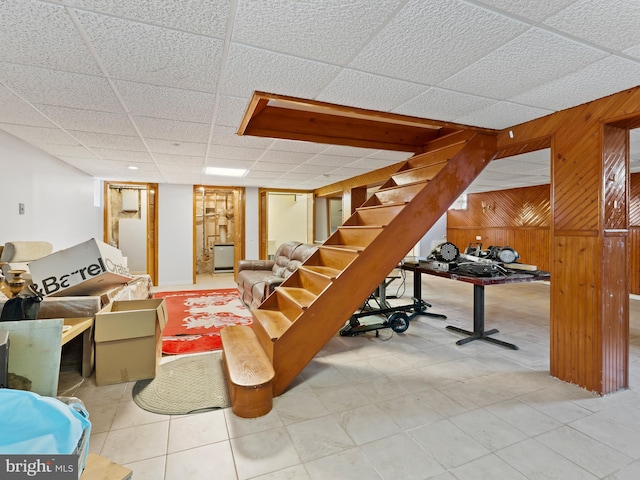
(478, 333)
(82, 326)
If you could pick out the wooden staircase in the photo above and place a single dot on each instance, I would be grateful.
(300, 317)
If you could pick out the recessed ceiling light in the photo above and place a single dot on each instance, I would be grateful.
(132, 167)
(225, 172)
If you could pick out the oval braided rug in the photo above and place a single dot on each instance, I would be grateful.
(185, 385)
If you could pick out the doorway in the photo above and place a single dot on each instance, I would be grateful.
(219, 229)
(284, 215)
(130, 219)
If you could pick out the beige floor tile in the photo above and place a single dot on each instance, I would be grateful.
(349, 464)
(264, 452)
(400, 457)
(367, 424)
(151, 469)
(448, 444)
(534, 461)
(409, 411)
(136, 443)
(239, 427)
(319, 437)
(487, 429)
(299, 407)
(202, 463)
(129, 414)
(191, 431)
(297, 472)
(489, 467)
(523, 417)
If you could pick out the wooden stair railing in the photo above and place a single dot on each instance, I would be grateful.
(302, 314)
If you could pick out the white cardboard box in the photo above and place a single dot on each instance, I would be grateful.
(128, 336)
(89, 268)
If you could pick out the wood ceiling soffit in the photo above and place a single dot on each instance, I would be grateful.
(279, 116)
(621, 109)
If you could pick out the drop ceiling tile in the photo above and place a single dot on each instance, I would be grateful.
(89, 120)
(173, 129)
(331, 160)
(611, 24)
(53, 87)
(178, 161)
(145, 53)
(172, 147)
(66, 150)
(105, 140)
(207, 18)
(228, 135)
(313, 169)
(326, 31)
(179, 168)
(123, 155)
(261, 166)
(502, 115)
(526, 62)
(298, 146)
(365, 90)
(278, 156)
(391, 156)
(349, 171)
(445, 105)
(536, 10)
(250, 69)
(18, 112)
(231, 111)
(226, 163)
(142, 166)
(234, 153)
(166, 102)
(87, 162)
(609, 75)
(42, 34)
(296, 176)
(514, 166)
(429, 40)
(345, 151)
(39, 135)
(371, 163)
(262, 174)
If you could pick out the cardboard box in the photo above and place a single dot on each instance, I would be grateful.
(89, 268)
(128, 337)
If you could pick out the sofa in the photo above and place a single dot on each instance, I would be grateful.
(257, 279)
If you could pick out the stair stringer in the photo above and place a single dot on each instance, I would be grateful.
(319, 322)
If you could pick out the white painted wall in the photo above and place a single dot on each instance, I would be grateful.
(58, 199)
(175, 234)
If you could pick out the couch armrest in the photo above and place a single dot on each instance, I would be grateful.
(255, 265)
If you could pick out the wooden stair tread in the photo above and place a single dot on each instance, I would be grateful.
(246, 363)
(300, 295)
(390, 204)
(329, 272)
(342, 248)
(274, 322)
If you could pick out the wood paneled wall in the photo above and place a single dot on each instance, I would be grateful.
(521, 218)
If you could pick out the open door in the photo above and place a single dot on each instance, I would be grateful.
(130, 224)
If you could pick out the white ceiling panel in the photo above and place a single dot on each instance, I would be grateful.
(446, 105)
(528, 61)
(249, 69)
(360, 89)
(89, 120)
(326, 31)
(40, 135)
(429, 40)
(166, 102)
(41, 34)
(207, 18)
(532, 9)
(610, 75)
(166, 84)
(65, 89)
(145, 53)
(614, 25)
(173, 147)
(105, 140)
(18, 112)
(502, 115)
(173, 129)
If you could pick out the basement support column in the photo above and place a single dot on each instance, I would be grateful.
(590, 258)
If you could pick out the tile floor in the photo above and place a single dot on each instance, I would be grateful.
(398, 406)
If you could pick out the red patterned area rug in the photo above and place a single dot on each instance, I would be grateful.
(197, 316)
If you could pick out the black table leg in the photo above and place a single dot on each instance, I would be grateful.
(420, 306)
(478, 323)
